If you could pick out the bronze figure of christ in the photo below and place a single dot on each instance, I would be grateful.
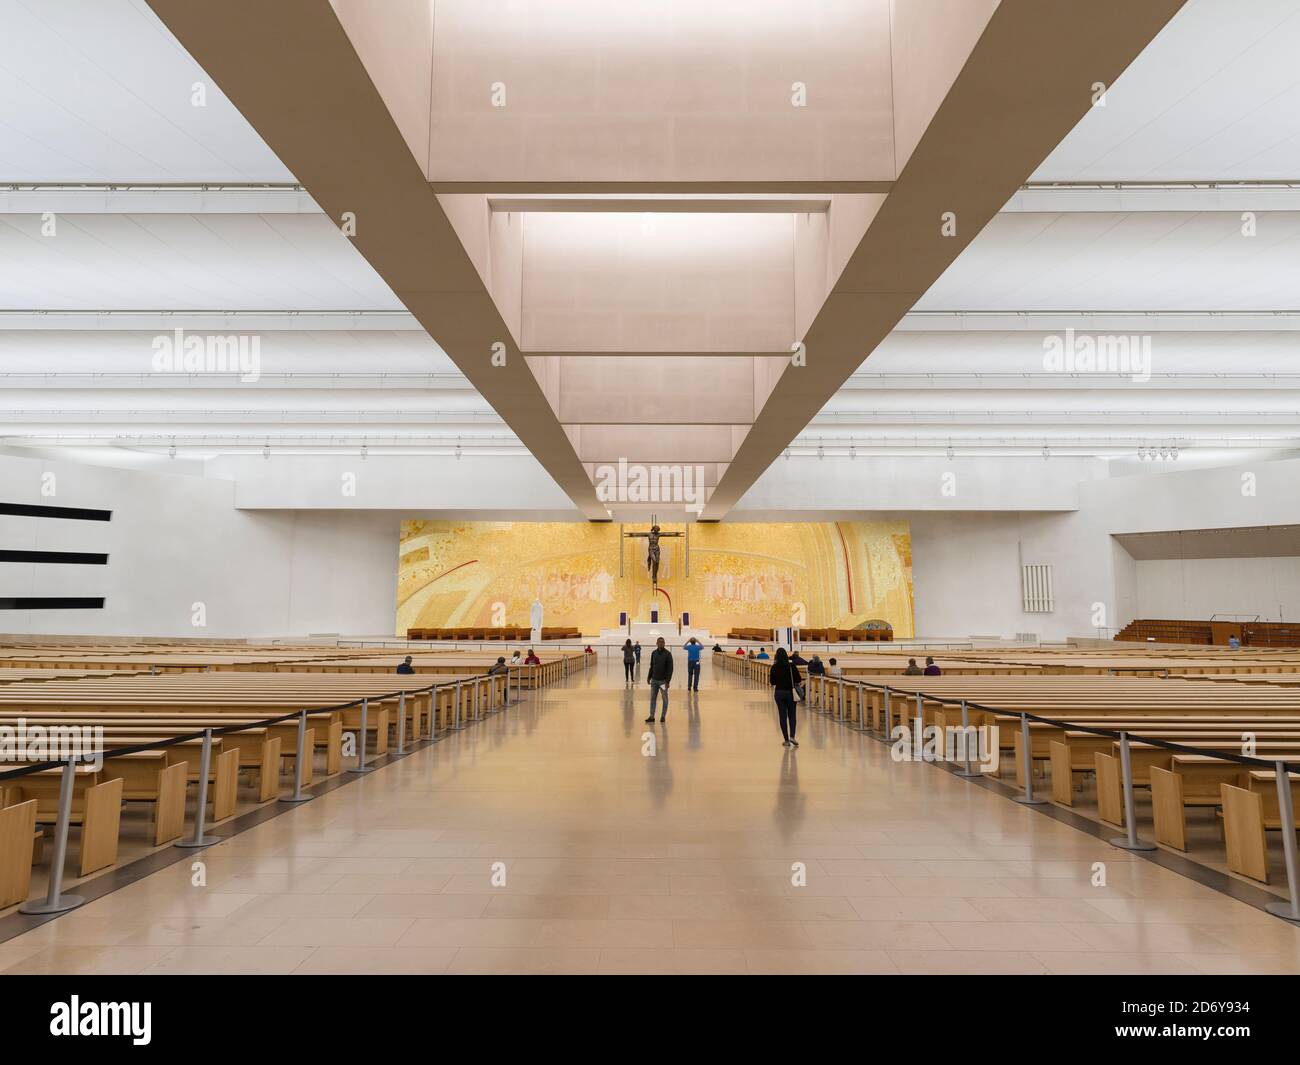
(652, 553)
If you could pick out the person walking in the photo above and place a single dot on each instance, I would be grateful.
(637, 650)
(629, 663)
(693, 651)
(660, 674)
(786, 681)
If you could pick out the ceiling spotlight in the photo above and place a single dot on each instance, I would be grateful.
(1173, 453)
(1164, 452)
(1047, 452)
(853, 452)
(821, 452)
(364, 451)
(950, 451)
(266, 451)
(1142, 453)
(787, 453)
(171, 452)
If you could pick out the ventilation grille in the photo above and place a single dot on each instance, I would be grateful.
(1036, 586)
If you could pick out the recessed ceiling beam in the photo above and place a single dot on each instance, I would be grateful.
(1027, 82)
(292, 71)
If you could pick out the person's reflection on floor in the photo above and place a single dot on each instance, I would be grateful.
(692, 719)
(790, 801)
(629, 710)
(658, 768)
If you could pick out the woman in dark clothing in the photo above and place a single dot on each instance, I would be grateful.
(784, 678)
(629, 662)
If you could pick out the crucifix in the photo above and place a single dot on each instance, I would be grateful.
(652, 555)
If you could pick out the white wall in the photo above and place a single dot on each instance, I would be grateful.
(1200, 587)
(175, 541)
(966, 573)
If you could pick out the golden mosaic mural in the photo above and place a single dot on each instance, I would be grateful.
(817, 574)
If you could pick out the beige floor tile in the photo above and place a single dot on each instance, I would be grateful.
(377, 961)
(89, 961)
(615, 863)
(741, 934)
(1110, 963)
(820, 962)
(1021, 936)
(530, 961)
(257, 960)
(966, 963)
(623, 961)
(339, 932)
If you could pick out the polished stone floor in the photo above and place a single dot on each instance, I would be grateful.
(550, 839)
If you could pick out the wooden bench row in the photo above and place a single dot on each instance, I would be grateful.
(1202, 717)
(137, 710)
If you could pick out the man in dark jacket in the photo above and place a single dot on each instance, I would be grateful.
(659, 675)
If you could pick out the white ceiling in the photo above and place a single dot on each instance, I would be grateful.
(184, 261)
(1159, 260)
(98, 91)
(1215, 96)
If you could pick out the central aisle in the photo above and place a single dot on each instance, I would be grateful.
(544, 840)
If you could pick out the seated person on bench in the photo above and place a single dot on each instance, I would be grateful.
(931, 670)
(500, 666)
(912, 670)
(532, 659)
(406, 666)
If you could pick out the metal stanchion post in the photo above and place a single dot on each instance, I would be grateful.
(205, 767)
(861, 726)
(1129, 841)
(401, 723)
(1027, 763)
(361, 766)
(965, 731)
(886, 716)
(456, 726)
(300, 753)
(1289, 911)
(55, 900)
(839, 706)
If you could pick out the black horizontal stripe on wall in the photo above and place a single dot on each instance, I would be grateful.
(69, 558)
(34, 510)
(66, 602)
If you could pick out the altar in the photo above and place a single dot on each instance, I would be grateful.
(646, 632)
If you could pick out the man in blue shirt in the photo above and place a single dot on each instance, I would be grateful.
(762, 654)
(693, 651)
(406, 667)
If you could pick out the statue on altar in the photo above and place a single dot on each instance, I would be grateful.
(652, 550)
